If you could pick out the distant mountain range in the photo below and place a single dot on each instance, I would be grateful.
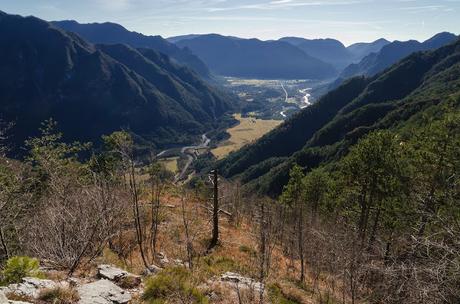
(391, 53)
(333, 51)
(361, 50)
(328, 50)
(112, 33)
(306, 58)
(253, 58)
(222, 53)
(400, 97)
(91, 90)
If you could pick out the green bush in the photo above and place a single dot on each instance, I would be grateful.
(172, 282)
(19, 267)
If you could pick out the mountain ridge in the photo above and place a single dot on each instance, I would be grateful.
(393, 52)
(113, 33)
(230, 56)
(47, 72)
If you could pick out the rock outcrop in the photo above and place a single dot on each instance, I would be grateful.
(102, 292)
(238, 281)
(117, 275)
(30, 287)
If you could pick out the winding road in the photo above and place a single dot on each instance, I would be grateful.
(190, 152)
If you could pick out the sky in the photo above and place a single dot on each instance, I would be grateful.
(349, 21)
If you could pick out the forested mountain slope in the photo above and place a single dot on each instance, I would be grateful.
(392, 53)
(112, 33)
(393, 99)
(91, 90)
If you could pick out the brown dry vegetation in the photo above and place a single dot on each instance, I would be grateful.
(248, 130)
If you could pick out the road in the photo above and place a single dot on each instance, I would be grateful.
(189, 152)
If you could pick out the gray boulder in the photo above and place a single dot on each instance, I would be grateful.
(102, 292)
(110, 272)
(118, 275)
(239, 281)
(152, 269)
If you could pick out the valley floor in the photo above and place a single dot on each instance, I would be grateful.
(247, 131)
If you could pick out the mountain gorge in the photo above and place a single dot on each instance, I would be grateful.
(396, 98)
(93, 90)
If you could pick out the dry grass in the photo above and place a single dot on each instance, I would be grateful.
(237, 252)
(248, 130)
(59, 295)
(170, 163)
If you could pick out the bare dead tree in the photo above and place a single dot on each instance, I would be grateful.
(156, 189)
(122, 145)
(215, 213)
(188, 237)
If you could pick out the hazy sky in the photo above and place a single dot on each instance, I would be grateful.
(347, 20)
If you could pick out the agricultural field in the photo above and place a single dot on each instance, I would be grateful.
(248, 130)
(170, 163)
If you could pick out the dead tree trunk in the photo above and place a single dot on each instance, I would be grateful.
(136, 211)
(3, 242)
(215, 212)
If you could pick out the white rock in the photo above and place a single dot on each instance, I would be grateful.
(102, 292)
(111, 273)
(117, 275)
(152, 269)
(242, 282)
(30, 287)
(162, 259)
(4, 299)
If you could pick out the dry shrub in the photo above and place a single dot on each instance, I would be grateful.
(59, 295)
(73, 225)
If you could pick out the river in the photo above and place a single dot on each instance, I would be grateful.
(305, 99)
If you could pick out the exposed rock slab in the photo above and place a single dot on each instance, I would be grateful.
(30, 287)
(240, 281)
(4, 299)
(117, 275)
(111, 273)
(102, 292)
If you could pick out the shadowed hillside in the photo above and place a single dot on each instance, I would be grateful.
(93, 90)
